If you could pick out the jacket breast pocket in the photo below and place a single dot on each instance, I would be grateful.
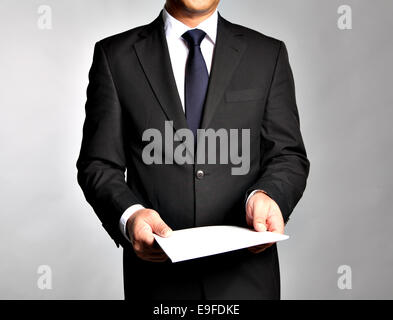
(244, 95)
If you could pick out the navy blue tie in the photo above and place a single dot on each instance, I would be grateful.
(196, 79)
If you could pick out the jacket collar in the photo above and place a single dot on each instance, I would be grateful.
(152, 52)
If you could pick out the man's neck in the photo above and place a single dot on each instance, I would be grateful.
(190, 19)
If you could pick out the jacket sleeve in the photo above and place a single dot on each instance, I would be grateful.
(285, 166)
(101, 164)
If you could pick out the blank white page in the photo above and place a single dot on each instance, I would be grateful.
(199, 242)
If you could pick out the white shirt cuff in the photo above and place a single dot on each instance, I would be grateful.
(125, 216)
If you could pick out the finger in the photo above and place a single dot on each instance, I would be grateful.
(159, 227)
(275, 224)
(143, 235)
(143, 248)
(149, 251)
(255, 251)
(153, 255)
(152, 249)
(154, 258)
(257, 248)
(261, 248)
(259, 215)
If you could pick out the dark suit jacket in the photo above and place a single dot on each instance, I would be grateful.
(132, 88)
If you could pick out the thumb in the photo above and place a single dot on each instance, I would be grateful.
(160, 228)
(259, 226)
(276, 223)
(259, 216)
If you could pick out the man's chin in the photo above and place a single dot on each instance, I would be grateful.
(197, 8)
(197, 11)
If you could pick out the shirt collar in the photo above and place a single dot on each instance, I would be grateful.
(175, 28)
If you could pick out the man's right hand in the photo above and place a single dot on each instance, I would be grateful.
(141, 226)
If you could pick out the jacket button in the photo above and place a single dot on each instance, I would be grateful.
(200, 174)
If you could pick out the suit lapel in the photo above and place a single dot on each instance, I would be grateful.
(153, 55)
(227, 53)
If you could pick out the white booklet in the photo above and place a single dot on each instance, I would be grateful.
(199, 242)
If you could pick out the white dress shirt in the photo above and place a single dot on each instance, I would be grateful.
(178, 52)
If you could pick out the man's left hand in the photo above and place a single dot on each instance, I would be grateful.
(263, 214)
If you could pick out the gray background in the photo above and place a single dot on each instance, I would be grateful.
(343, 82)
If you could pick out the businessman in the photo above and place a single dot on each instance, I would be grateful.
(194, 70)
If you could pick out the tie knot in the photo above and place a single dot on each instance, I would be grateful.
(194, 37)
